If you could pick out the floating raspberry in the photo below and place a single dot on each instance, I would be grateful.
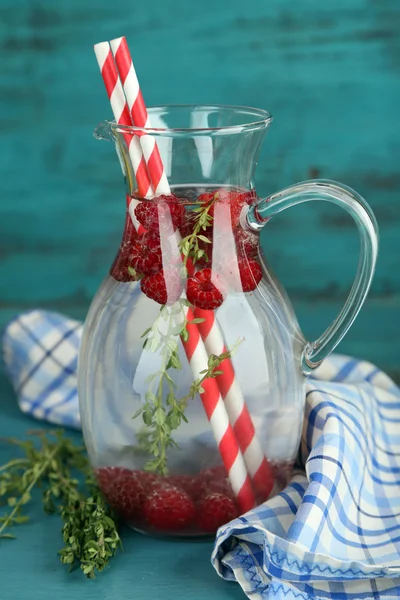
(160, 211)
(130, 234)
(201, 292)
(207, 197)
(121, 269)
(215, 510)
(235, 200)
(169, 509)
(147, 214)
(146, 254)
(250, 274)
(178, 212)
(247, 197)
(188, 225)
(165, 287)
(247, 243)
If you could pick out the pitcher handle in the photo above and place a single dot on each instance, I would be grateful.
(330, 191)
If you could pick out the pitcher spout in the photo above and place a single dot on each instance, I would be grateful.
(104, 131)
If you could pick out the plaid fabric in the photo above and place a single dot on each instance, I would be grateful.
(40, 353)
(334, 532)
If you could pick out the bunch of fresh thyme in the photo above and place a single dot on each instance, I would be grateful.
(60, 469)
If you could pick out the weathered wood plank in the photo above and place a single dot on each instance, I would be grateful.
(328, 72)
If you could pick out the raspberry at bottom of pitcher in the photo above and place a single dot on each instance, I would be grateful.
(183, 505)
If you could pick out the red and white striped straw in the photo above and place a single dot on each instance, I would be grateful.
(256, 462)
(257, 465)
(139, 115)
(215, 410)
(122, 115)
(211, 397)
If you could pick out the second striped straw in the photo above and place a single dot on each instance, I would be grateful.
(239, 416)
(196, 352)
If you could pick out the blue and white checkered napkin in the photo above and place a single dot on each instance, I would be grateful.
(40, 353)
(334, 532)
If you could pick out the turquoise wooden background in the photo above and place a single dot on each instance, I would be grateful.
(328, 71)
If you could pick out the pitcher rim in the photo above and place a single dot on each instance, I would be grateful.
(261, 119)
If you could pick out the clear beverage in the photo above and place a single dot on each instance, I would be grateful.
(122, 377)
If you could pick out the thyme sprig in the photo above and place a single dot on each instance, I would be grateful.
(162, 412)
(161, 418)
(189, 245)
(60, 469)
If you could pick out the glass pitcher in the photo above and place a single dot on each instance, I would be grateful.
(192, 366)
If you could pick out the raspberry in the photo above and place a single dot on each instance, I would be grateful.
(108, 475)
(130, 234)
(146, 254)
(188, 225)
(147, 479)
(235, 200)
(147, 214)
(165, 287)
(126, 490)
(201, 292)
(127, 497)
(250, 274)
(213, 481)
(205, 488)
(159, 211)
(215, 510)
(120, 269)
(122, 262)
(247, 197)
(186, 483)
(207, 197)
(169, 509)
(246, 243)
(214, 473)
(123, 490)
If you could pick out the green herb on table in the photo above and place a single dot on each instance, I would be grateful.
(52, 463)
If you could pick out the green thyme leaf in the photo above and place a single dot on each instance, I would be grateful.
(50, 464)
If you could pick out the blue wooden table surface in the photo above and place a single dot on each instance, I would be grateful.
(329, 72)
